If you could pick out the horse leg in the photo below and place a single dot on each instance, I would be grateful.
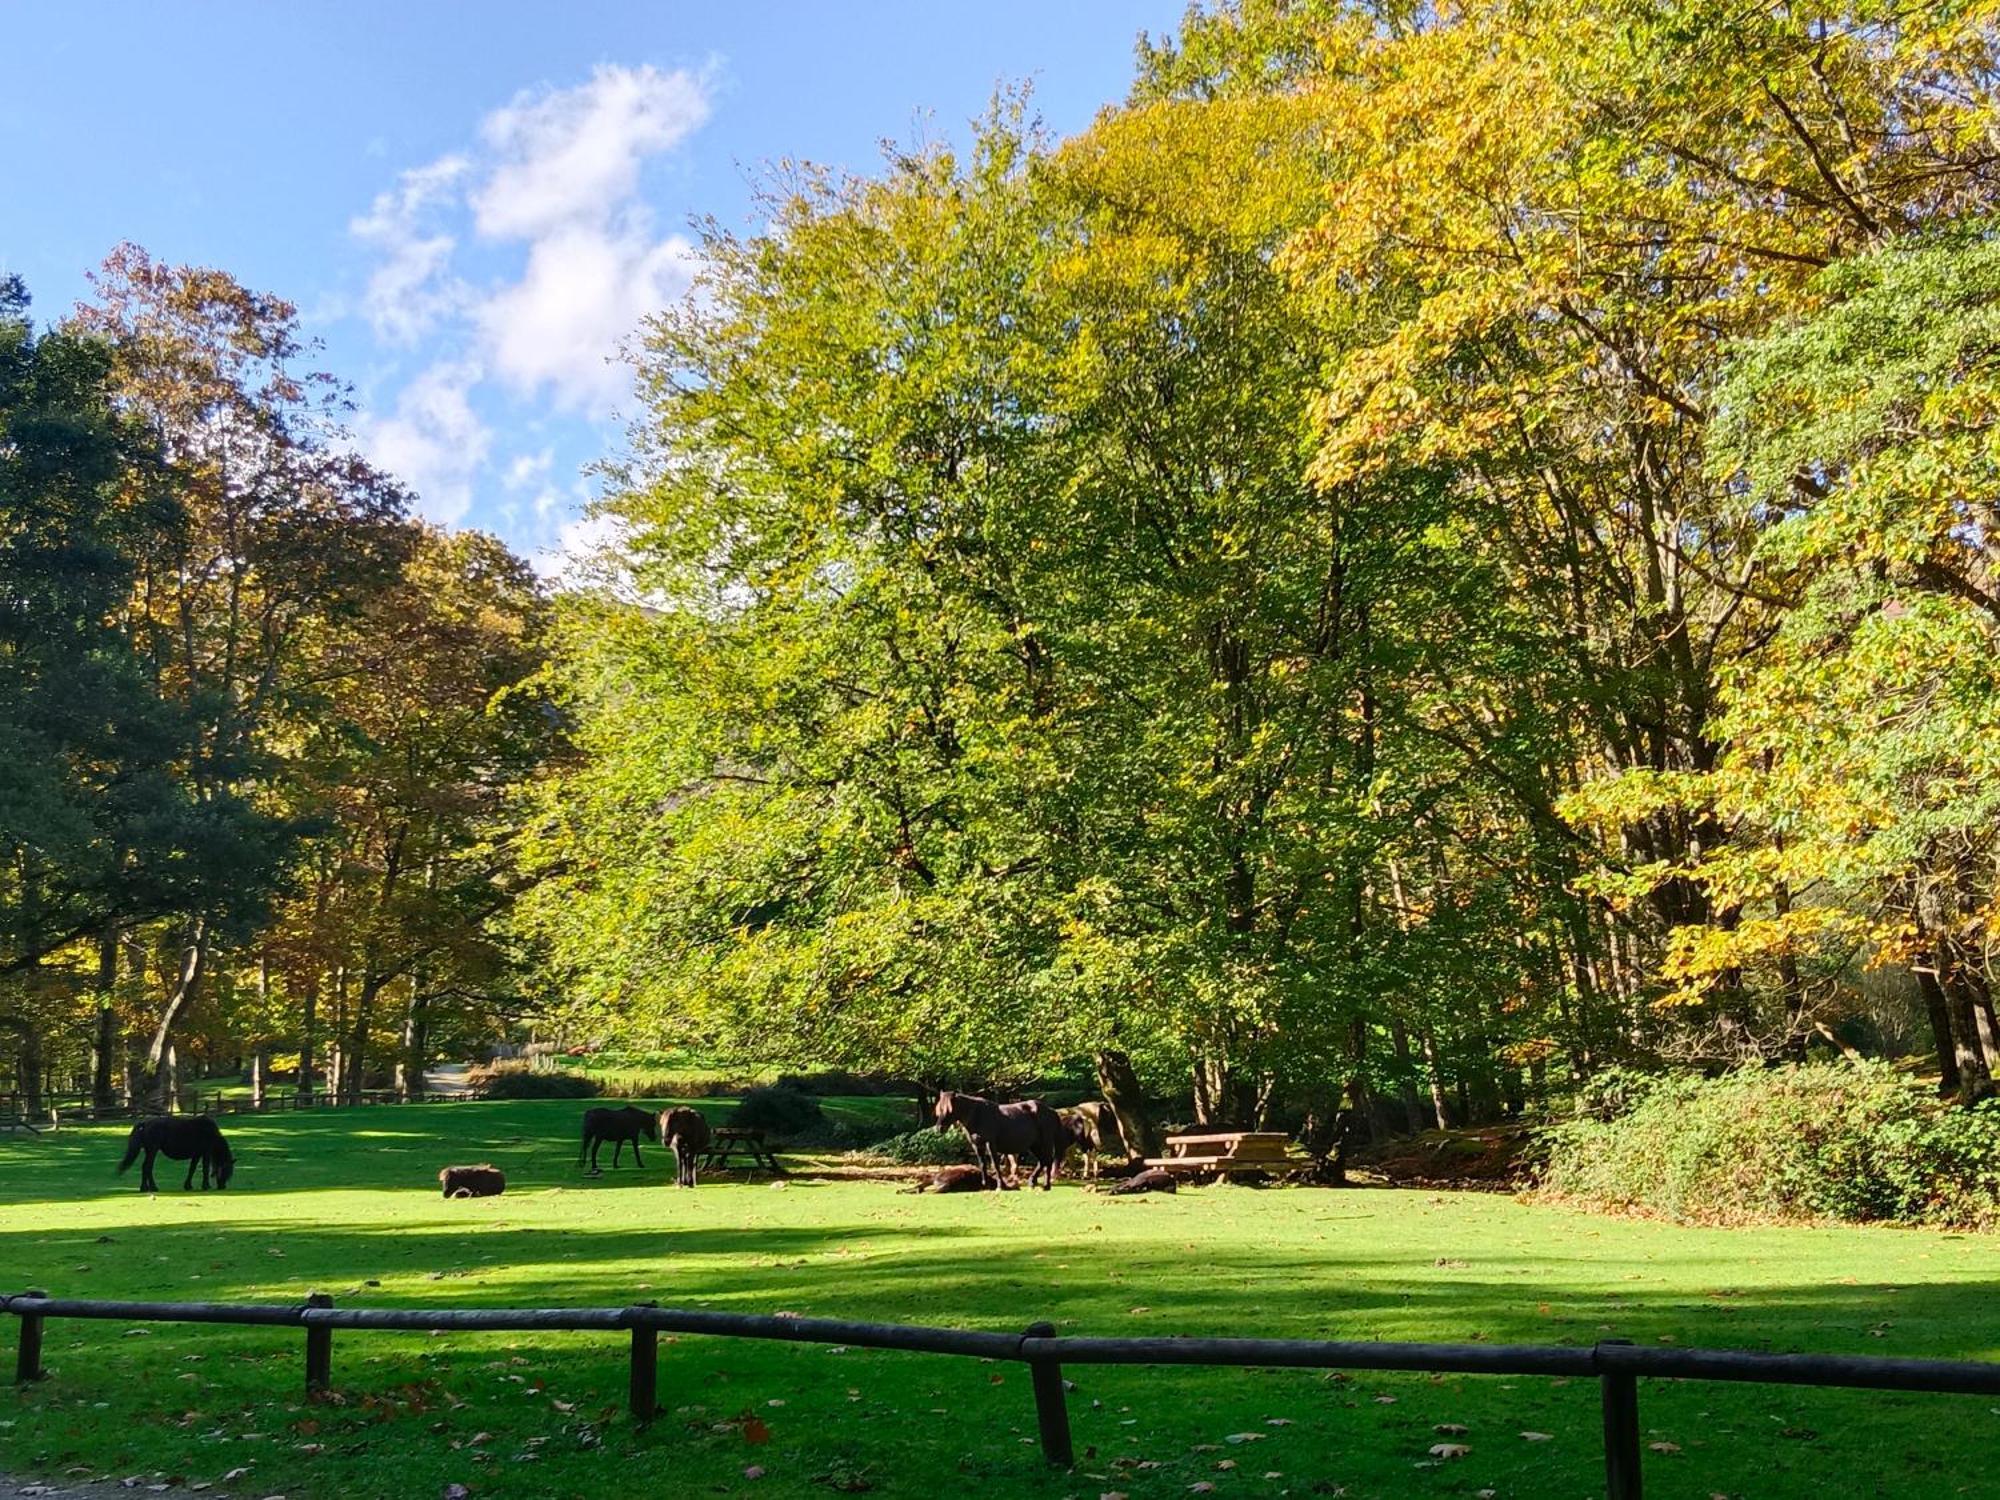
(146, 1183)
(193, 1161)
(637, 1159)
(595, 1142)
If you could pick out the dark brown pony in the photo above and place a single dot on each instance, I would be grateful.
(1029, 1128)
(194, 1139)
(617, 1126)
(687, 1132)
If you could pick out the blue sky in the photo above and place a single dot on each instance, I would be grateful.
(472, 203)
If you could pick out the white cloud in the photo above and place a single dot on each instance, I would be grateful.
(410, 292)
(553, 186)
(573, 155)
(583, 294)
(585, 554)
(530, 470)
(435, 442)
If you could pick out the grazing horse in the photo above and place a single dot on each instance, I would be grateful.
(617, 1126)
(1029, 1128)
(194, 1139)
(687, 1132)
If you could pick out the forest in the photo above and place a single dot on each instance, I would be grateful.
(1432, 555)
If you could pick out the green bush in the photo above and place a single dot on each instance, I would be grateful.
(781, 1112)
(924, 1148)
(1857, 1141)
(519, 1083)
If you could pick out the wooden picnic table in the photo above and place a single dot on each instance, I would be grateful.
(1220, 1153)
(739, 1140)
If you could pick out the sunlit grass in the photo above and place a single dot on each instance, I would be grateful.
(347, 1202)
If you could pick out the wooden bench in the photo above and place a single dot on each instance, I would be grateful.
(1224, 1153)
(739, 1140)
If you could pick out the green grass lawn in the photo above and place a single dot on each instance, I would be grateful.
(346, 1202)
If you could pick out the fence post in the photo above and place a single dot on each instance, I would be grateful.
(1621, 1432)
(1051, 1410)
(319, 1351)
(28, 1362)
(645, 1383)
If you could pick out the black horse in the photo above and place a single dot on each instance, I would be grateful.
(617, 1126)
(1029, 1128)
(194, 1139)
(687, 1132)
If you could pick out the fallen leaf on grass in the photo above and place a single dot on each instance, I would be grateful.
(1664, 1447)
(1452, 1429)
(1538, 1437)
(1244, 1437)
(754, 1431)
(1449, 1450)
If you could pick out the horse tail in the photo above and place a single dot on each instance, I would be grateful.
(221, 1160)
(131, 1149)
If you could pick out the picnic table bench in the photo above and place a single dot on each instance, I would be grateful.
(1224, 1152)
(739, 1140)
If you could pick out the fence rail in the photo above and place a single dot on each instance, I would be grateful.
(53, 1110)
(1616, 1365)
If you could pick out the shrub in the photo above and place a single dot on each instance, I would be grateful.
(520, 1083)
(782, 1112)
(831, 1082)
(1857, 1141)
(924, 1148)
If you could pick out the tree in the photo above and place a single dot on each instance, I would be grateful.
(278, 533)
(98, 825)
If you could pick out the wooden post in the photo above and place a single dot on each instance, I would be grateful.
(319, 1351)
(1621, 1433)
(1051, 1410)
(28, 1362)
(645, 1384)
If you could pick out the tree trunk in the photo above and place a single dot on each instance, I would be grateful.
(258, 1068)
(1938, 1007)
(410, 1065)
(357, 1061)
(27, 1061)
(194, 964)
(104, 1047)
(1118, 1080)
(1975, 1074)
(1413, 1109)
(1440, 1110)
(306, 1028)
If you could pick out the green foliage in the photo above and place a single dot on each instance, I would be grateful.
(1853, 1141)
(525, 1083)
(784, 1113)
(928, 1147)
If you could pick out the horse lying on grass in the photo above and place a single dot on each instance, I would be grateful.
(194, 1139)
(687, 1132)
(482, 1181)
(617, 1126)
(1029, 1128)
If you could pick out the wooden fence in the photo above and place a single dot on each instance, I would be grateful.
(54, 1110)
(1617, 1366)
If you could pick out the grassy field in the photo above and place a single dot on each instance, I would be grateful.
(346, 1202)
